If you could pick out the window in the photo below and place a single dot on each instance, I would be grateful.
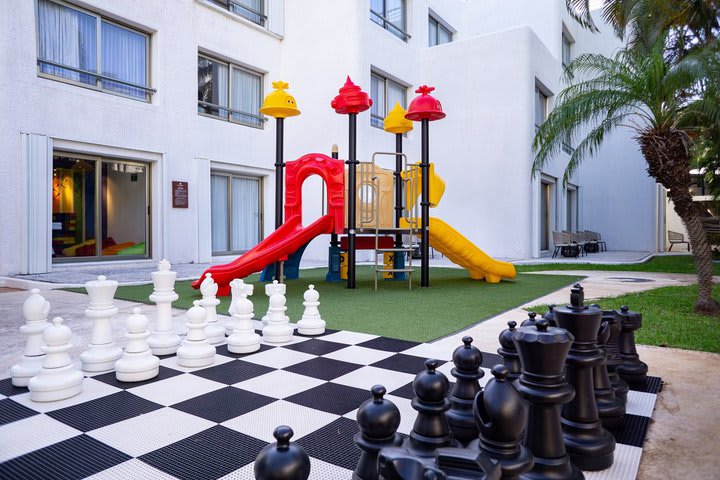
(384, 93)
(438, 33)
(229, 92)
(391, 15)
(546, 207)
(236, 218)
(566, 50)
(88, 50)
(541, 108)
(252, 10)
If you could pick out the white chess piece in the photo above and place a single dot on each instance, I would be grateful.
(58, 378)
(137, 363)
(278, 329)
(35, 311)
(237, 287)
(102, 353)
(270, 290)
(195, 350)
(311, 323)
(243, 338)
(214, 331)
(163, 340)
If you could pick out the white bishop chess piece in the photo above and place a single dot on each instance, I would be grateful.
(278, 328)
(35, 311)
(237, 287)
(243, 338)
(311, 323)
(272, 289)
(102, 353)
(137, 363)
(163, 340)
(58, 378)
(195, 350)
(214, 331)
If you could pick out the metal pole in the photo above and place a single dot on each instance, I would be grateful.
(398, 188)
(425, 204)
(333, 236)
(352, 195)
(279, 181)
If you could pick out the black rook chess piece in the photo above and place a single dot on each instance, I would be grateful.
(467, 360)
(543, 350)
(590, 446)
(530, 321)
(378, 420)
(632, 370)
(611, 409)
(282, 460)
(507, 351)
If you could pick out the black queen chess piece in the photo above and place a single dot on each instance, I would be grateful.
(282, 460)
(589, 444)
(378, 420)
(467, 360)
(632, 370)
(508, 352)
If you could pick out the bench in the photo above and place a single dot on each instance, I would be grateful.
(675, 238)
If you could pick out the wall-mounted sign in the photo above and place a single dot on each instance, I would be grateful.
(180, 194)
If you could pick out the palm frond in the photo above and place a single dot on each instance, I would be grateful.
(579, 10)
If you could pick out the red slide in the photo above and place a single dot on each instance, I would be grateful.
(290, 236)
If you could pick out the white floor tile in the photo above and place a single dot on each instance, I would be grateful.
(176, 389)
(640, 403)
(32, 433)
(92, 389)
(359, 355)
(278, 357)
(366, 377)
(172, 362)
(279, 384)
(351, 338)
(133, 468)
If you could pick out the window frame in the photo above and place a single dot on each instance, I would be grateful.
(226, 6)
(229, 175)
(439, 24)
(99, 77)
(566, 40)
(540, 91)
(386, 79)
(380, 19)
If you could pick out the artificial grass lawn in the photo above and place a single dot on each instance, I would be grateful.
(668, 320)
(452, 302)
(663, 264)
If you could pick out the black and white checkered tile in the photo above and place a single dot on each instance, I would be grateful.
(212, 422)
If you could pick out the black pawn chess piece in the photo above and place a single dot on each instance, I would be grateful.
(467, 372)
(507, 351)
(431, 429)
(502, 414)
(530, 321)
(543, 350)
(589, 444)
(611, 409)
(633, 370)
(282, 460)
(612, 350)
(378, 420)
(550, 316)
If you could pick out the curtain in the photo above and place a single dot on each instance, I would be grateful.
(212, 86)
(245, 213)
(396, 14)
(124, 56)
(377, 93)
(219, 212)
(396, 94)
(245, 96)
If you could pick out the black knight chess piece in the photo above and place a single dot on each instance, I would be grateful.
(611, 409)
(282, 460)
(507, 351)
(378, 419)
(467, 360)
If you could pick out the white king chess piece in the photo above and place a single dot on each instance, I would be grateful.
(137, 363)
(311, 323)
(35, 311)
(243, 338)
(102, 353)
(195, 350)
(271, 289)
(163, 340)
(214, 331)
(58, 378)
(237, 288)
(278, 329)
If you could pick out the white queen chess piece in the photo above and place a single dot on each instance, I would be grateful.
(237, 287)
(58, 378)
(163, 340)
(243, 338)
(214, 331)
(35, 311)
(278, 329)
(311, 323)
(102, 353)
(195, 350)
(137, 363)
(271, 289)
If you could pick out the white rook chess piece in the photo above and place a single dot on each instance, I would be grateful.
(137, 363)
(58, 378)
(163, 340)
(35, 311)
(270, 290)
(102, 353)
(311, 323)
(278, 328)
(237, 287)
(214, 331)
(243, 338)
(195, 350)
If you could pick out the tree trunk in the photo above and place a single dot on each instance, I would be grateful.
(667, 157)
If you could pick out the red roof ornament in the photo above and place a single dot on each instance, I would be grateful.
(351, 99)
(425, 106)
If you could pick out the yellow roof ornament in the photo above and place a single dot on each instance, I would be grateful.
(396, 122)
(279, 103)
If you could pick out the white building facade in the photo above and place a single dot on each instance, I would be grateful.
(131, 131)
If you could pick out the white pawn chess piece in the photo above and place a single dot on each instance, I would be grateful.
(214, 331)
(58, 378)
(102, 353)
(163, 340)
(35, 311)
(195, 350)
(311, 323)
(270, 290)
(243, 338)
(237, 287)
(137, 363)
(278, 329)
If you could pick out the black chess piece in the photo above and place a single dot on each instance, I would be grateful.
(378, 419)
(589, 444)
(502, 414)
(399, 464)
(611, 409)
(543, 350)
(507, 351)
(550, 316)
(448, 464)
(282, 460)
(431, 429)
(467, 372)
(530, 321)
(633, 370)
(612, 351)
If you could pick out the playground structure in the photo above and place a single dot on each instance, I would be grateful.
(365, 217)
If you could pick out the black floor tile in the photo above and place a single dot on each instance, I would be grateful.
(406, 391)
(223, 350)
(7, 388)
(323, 368)
(388, 344)
(332, 398)
(316, 347)
(401, 362)
(223, 404)
(11, 411)
(633, 430)
(111, 379)
(233, 372)
(334, 444)
(104, 411)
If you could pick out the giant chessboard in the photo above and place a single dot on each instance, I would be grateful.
(211, 422)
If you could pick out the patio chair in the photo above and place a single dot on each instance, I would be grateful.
(675, 238)
(595, 236)
(564, 246)
(590, 241)
(576, 239)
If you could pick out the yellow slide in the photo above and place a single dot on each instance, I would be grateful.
(463, 252)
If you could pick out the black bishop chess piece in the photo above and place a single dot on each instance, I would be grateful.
(378, 419)
(633, 370)
(611, 409)
(530, 321)
(467, 360)
(543, 350)
(589, 444)
(282, 460)
(508, 352)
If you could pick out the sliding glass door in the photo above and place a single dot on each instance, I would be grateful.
(236, 213)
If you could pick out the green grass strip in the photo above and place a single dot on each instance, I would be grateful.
(662, 264)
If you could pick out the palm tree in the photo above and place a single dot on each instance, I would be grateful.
(663, 103)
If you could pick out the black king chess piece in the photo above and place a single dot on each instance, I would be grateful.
(378, 420)
(467, 372)
(282, 460)
(507, 351)
(633, 370)
(589, 444)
